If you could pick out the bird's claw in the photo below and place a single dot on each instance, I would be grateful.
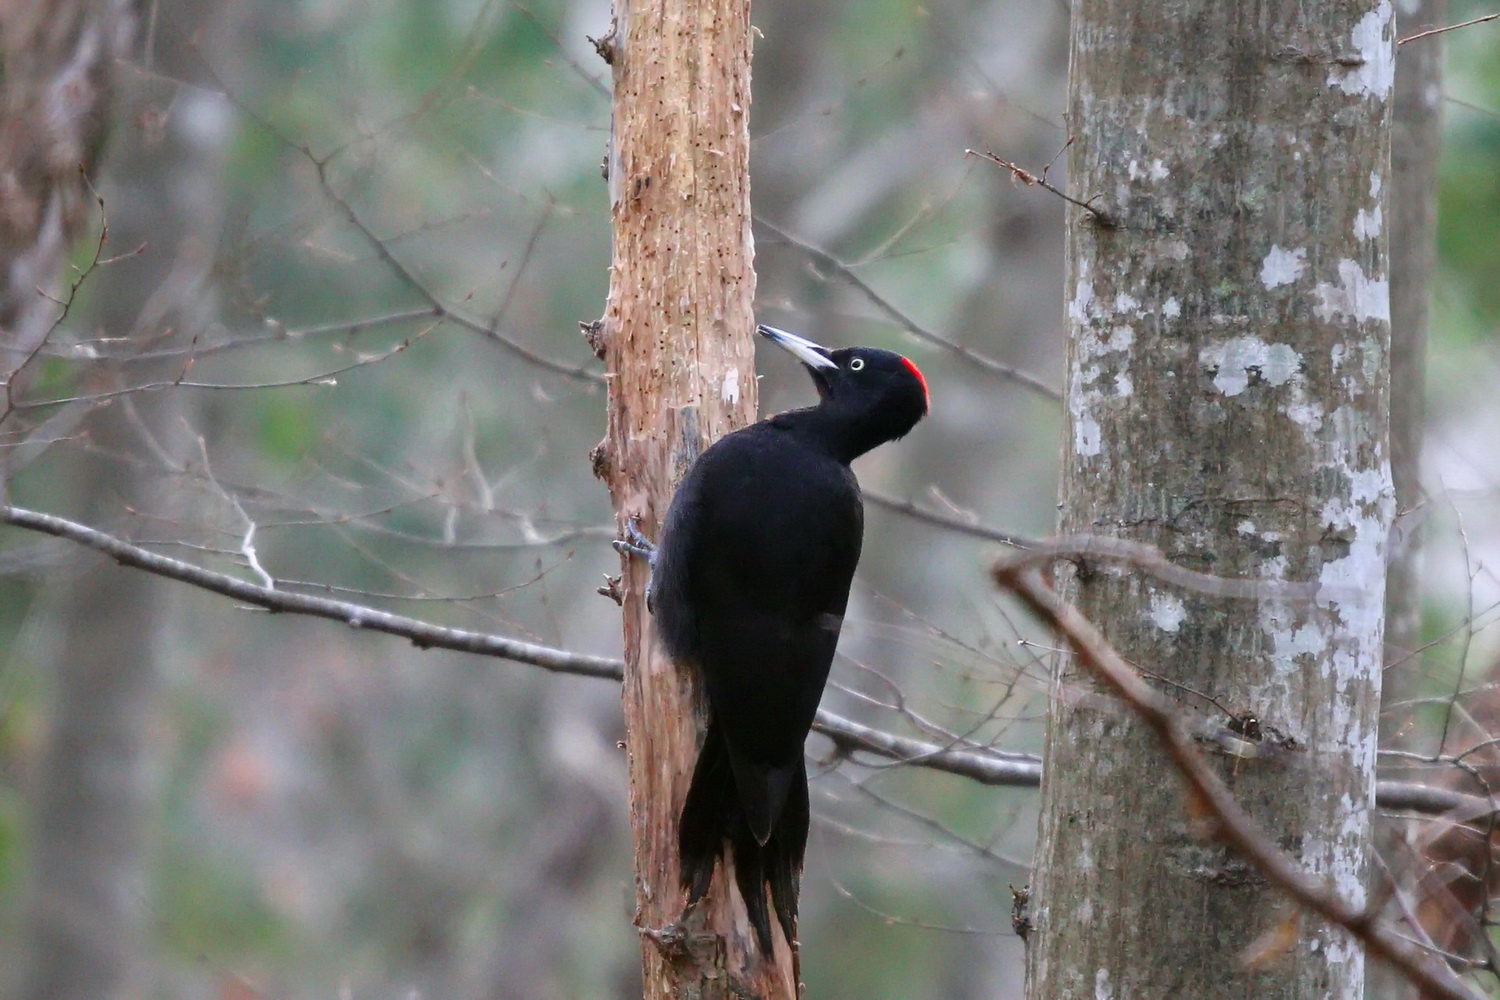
(638, 545)
(634, 543)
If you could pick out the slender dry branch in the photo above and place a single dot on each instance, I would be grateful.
(1151, 559)
(951, 523)
(422, 634)
(901, 319)
(1452, 27)
(278, 334)
(410, 279)
(8, 379)
(1435, 800)
(402, 272)
(1020, 575)
(326, 378)
(988, 769)
(1033, 180)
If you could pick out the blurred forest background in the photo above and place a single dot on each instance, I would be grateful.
(349, 246)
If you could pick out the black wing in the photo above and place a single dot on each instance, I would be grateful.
(752, 591)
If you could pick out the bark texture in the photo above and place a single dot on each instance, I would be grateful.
(678, 345)
(56, 87)
(1416, 136)
(1228, 392)
(56, 95)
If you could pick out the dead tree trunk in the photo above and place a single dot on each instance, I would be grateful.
(677, 339)
(1229, 323)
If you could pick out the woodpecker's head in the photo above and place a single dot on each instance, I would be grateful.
(881, 391)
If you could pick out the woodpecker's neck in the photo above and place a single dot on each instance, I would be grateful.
(840, 432)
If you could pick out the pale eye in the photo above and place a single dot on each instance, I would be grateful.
(856, 364)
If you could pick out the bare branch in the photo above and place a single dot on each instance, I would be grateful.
(1435, 800)
(941, 520)
(908, 324)
(1019, 575)
(323, 379)
(409, 278)
(95, 261)
(1153, 561)
(988, 769)
(1452, 27)
(94, 351)
(1032, 180)
(397, 267)
(1025, 771)
(422, 634)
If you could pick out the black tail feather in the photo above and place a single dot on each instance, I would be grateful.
(713, 816)
(750, 874)
(707, 815)
(785, 850)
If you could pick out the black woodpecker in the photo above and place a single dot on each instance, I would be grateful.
(749, 585)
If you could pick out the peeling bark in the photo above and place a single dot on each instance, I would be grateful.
(678, 346)
(1228, 392)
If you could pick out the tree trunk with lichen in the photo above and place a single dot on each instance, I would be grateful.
(677, 342)
(1229, 325)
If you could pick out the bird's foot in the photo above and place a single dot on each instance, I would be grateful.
(638, 545)
(634, 543)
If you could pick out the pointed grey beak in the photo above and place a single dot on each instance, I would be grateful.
(804, 350)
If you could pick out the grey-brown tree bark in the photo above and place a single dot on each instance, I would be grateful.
(60, 78)
(1417, 132)
(56, 94)
(1228, 318)
(677, 337)
(1416, 137)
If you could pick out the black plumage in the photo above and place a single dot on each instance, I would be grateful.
(749, 585)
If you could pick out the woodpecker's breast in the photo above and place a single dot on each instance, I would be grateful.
(763, 525)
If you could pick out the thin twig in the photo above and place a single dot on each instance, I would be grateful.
(8, 380)
(323, 379)
(1032, 180)
(1452, 27)
(1151, 559)
(1468, 640)
(422, 634)
(397, 267)
(941, 520)
(90, 351)
(904, 321)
